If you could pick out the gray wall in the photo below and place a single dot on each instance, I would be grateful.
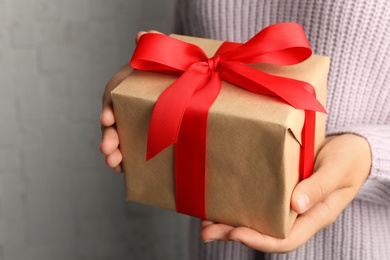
(57, 198)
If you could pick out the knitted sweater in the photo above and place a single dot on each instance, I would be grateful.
(355, 34)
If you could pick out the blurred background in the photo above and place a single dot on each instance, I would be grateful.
(58, 200)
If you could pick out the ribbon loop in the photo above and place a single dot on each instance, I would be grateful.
(169, 109)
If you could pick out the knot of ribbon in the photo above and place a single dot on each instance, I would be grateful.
(180, 113)
(213, 62)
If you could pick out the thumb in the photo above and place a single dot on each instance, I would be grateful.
(343, 162)
(314, 189)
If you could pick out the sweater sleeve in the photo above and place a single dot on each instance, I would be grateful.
(178, 20)
(377, 187)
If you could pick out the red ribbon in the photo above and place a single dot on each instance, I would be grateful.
(180, 113)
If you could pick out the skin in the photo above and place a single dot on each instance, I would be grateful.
(341, 168)
(109, 145)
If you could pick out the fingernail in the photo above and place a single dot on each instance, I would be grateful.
(208, 241)
(303, 202)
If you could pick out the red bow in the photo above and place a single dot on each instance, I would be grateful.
(180, 114)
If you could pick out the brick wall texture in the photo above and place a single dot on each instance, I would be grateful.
(58, 201)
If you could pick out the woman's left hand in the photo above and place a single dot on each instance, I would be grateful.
(341, 168)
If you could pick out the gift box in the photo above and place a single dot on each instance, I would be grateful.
(253, 148)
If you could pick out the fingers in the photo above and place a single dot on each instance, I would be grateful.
(326, 178)
(341, 168)
(110, 140)
(250, 238)
(258, 241)
(205, 223)
(343, 163)
(303, 229)
(119, 168)
(114, 160)
(319, 185)
(214, 232)
(315, 189)
(306, 226)
(107, 117)
(140, 33)
(110, 147)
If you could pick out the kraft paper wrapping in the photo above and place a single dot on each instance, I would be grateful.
(253, 146)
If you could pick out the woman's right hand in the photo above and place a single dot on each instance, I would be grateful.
(109, 145)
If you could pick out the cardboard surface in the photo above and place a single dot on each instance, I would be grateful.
(253, 146)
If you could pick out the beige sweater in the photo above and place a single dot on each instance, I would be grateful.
(356, 35)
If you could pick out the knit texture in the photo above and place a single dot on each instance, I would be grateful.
(355, 34)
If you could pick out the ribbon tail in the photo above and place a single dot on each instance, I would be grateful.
(169, 109)
(190, 151)
(308, 145)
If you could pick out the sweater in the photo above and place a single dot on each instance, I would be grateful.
(355, 34)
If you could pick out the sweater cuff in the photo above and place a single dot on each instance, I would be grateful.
(377, 187)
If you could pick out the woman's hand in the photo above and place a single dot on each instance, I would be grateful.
(341, 168)
(110, 139)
